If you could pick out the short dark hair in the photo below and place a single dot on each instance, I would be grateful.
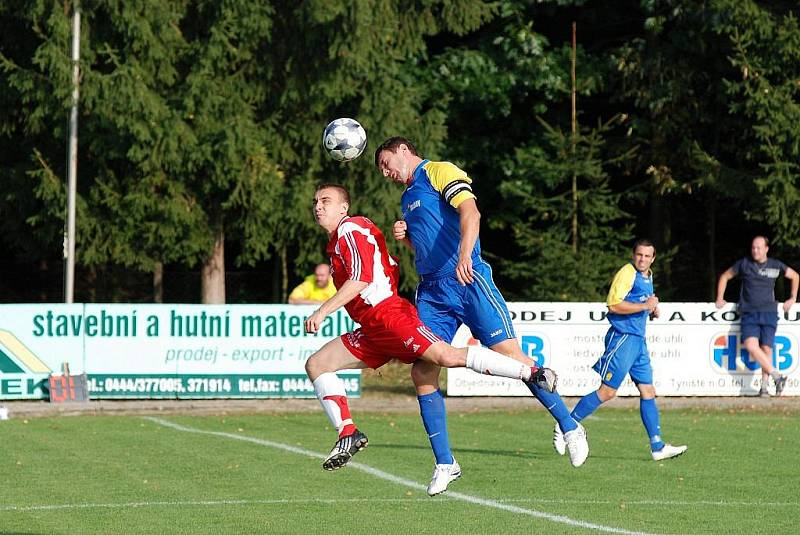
(341, 189)
(766, 240)
(392, 144)
(643, 242)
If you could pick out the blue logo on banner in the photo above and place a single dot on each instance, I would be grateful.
(532, 347)
(730, 355)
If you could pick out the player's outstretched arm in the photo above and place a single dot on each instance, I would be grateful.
(344, 295)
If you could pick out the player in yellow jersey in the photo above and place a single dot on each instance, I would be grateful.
(631, 300)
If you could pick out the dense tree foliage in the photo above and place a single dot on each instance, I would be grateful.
(200, 127)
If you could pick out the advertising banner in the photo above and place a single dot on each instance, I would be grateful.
(259, 351)
(695, 350)
(165, 351)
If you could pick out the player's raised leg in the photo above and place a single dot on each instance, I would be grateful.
(487, 362)
(321, 368)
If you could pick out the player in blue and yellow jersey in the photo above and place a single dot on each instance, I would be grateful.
(631, 300)
(441, 223)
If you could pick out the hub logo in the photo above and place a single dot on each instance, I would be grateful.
(728, 354)
(533, 347)
(20, 369)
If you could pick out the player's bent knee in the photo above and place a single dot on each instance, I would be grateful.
(316, 366)
(451, 359)
(311, 367)
(443, 360)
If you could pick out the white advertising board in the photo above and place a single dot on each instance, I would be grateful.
(695, 350)
(165, 351)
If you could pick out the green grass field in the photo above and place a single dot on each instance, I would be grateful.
(262, 474)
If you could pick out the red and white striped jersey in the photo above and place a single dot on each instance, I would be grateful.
(358, 252)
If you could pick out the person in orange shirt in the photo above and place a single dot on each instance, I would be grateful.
(316, 288)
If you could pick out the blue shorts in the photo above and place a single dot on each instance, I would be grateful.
(444, 305)
(625, 354)
(761, 325)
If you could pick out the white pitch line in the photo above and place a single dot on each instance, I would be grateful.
(335, 501)
(660, 503)
(404, 482)
(59, 507)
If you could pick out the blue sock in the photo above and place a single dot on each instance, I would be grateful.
(651, 421)
(555, 406)
(434, 418)
(586, 406)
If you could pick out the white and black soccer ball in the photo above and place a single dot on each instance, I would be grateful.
(344, 139)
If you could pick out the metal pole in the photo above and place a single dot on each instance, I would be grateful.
(574, 136)
(72, 158)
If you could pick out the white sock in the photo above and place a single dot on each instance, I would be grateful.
(488, 362)
(330, 392)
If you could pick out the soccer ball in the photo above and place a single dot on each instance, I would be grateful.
(344, 139)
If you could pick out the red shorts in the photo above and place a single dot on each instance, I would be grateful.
(393, 331)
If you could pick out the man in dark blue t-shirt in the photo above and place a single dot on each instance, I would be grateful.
(757, 306)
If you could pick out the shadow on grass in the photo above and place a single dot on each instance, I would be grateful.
(522, 454)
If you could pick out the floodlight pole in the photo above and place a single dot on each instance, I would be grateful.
(72, 159)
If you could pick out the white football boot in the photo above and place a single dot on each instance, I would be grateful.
(443, 475)
(668, 452)
(577, 445)
(559, 443)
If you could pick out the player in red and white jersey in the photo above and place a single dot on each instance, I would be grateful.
(365, 276)
(357, 250)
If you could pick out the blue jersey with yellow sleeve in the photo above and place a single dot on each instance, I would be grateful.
(430, 206)
(635, 287)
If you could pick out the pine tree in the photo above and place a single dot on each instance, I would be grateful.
(497, 84)
(572, 239)
(765, 42)
(201, 121)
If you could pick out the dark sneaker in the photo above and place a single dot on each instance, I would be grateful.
(763, 393)
(544, 378)
(344, 449)
(780, 383)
